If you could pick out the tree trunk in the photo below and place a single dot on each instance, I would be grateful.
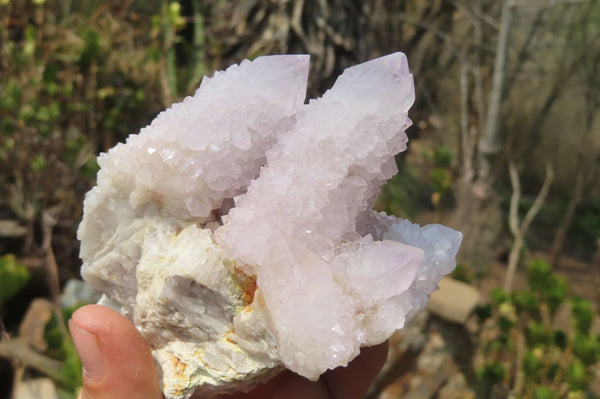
(513, 261)
(478, 213)
(491, 141)
(466, 136)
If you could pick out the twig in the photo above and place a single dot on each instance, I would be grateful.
(479, 14)
(539, 201)
(519, 231)
(19, 350)
(513, 220)
(446, 38)
(49, 217)
(524, 51)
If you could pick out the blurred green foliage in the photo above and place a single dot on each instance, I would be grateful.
(582, 235)
(586, 230)
(518, 336)
(462, 273)
(13, 276)
(75, 79)
(61, 348)
(549, 287)
(78, 77)
(403, 195)
(418, 186)
(492, 373)
(545, 393)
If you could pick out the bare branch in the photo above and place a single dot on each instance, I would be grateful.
(19, 350)
(539, 201)
(49, 218)
(445, 36)
(517, 230)
(524, 51)
(477, 13)
(513, 218)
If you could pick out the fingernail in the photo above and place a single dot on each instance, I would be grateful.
(88, 347)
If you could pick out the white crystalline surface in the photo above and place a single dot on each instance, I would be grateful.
(236, 230)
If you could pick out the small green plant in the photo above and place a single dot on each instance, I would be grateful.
(583, 314)
(547, 286)
(518, 335)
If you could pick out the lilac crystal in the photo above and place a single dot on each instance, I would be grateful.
(236, 230)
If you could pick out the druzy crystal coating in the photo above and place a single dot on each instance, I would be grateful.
(236, 230)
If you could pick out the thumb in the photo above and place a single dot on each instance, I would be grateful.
(117, 362)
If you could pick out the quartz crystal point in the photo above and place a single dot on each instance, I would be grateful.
(236, 230)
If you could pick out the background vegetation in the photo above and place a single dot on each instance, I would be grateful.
(505, 147)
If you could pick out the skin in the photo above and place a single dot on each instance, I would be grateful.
(117, 364)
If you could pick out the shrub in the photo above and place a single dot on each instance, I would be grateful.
(519, 329)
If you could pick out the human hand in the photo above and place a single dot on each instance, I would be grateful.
(117, 364)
